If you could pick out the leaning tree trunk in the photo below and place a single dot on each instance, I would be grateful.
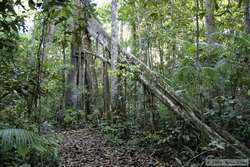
(167, 96)
(209, 20)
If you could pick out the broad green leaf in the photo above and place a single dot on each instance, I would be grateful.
(23, 150)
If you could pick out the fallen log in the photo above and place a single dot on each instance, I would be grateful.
(166, 94)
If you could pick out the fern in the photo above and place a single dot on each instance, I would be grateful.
(18, 144)
(11, 137)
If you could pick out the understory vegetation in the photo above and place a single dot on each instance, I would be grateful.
(169, 76)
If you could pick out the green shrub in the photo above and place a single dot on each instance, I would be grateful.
(72, 116)
(19, 147)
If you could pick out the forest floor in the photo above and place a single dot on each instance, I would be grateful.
(89, 148)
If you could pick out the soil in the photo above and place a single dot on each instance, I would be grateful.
(89, 148)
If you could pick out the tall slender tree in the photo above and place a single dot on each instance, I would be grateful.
(61, 112)
(106, 88)
(114, 55)
(247, 17)
(209, 20)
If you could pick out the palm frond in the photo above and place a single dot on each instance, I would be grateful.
(10, 137)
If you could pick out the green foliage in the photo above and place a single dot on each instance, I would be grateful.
(19, 137)
(123, 71)
(118, 133)
(221, 84)
(216, 81)
(17, 84)
(18, 146)
(73, 116)
(10, 21)
(151, 139)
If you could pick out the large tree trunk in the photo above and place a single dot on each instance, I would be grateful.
(73, 95)
(72, 92)
(166, 95)
(209, 20)
(82, 87)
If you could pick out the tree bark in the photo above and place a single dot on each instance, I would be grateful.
(82, 87)
(114, 57)
(123, 84)
(63, 103)
(161, 67)
(72, 91)
(247, 17)
(209, 20)
(90, 72)
(73, 95)
(135, 45)
(106, 89)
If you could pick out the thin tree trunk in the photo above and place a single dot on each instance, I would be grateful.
(106, 89)
(122, 83)
(83, 71)
(197, 4)
(114, 56)
(121, 32)
(161, 58)
(198, 67)
(91, 74)
(63, 105)
(79, 76)
(40, 57)
(134, 51)
(247, 17)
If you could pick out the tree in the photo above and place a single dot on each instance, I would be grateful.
(164, 93)
(247, 17)
(81, 82)
(114, 56)
(209, 20)
(73, 95)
